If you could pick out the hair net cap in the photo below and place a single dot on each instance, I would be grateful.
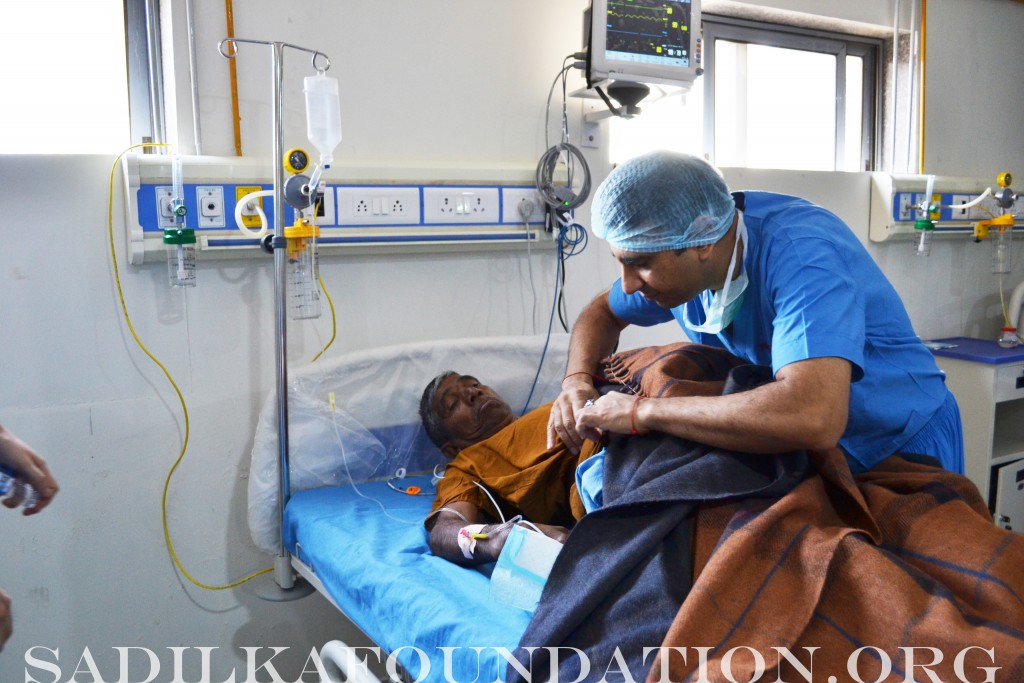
(661, 201)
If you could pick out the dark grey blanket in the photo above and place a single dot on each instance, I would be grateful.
(626, 568)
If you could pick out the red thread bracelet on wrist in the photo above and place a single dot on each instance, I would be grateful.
(581, 372)
(632, 416)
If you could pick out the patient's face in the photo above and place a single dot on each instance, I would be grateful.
(470, 412)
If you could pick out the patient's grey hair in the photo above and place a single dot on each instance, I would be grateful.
(428, 416)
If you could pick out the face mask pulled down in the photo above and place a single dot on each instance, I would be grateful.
(726, 302)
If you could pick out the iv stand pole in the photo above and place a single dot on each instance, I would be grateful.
(283, 575)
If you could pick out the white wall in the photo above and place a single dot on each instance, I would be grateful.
(456, 85)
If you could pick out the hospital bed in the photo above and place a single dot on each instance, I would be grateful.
(353, 528)
(756, 551)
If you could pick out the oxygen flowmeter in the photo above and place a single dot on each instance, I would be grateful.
(180, 240)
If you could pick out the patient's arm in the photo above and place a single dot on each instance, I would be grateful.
(444, 536)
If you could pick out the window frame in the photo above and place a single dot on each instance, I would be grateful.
(737, 30)
(144, 64)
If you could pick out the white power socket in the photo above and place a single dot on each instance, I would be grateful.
(473, 205)
(515, 201)
(378, 205)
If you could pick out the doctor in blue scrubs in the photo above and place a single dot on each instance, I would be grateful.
(777, 281)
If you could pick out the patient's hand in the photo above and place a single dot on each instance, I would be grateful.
(576, 391)
(559, 533)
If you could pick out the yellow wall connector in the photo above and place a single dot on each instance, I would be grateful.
(249, 217)
(1002, 223)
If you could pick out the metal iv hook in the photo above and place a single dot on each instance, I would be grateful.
(234, 49)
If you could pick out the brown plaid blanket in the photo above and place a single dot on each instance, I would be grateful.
(682, 369)
(814, 574)
(891, 574)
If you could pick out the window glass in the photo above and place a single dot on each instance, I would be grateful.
(774, 99)
(774, 107)
(854, 114)
(64, 79)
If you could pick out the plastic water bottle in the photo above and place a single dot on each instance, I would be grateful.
(9, 479)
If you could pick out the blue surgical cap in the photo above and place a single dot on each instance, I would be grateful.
(661, 201)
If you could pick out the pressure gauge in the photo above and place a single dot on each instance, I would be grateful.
(1005, 179)
(296, 160)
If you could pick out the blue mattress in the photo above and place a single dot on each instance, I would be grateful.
(382, 575)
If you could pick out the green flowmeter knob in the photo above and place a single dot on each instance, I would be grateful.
(923, 224)
(179, 236)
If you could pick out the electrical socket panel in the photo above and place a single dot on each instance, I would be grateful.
(514, 200)
(378, 205)
(445, 205)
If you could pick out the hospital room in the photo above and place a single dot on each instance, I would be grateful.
(740, 281)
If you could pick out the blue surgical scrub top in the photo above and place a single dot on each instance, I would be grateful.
(815, 292)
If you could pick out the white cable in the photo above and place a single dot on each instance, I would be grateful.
(242, 203)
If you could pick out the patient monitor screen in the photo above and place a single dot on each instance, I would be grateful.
(649, 32)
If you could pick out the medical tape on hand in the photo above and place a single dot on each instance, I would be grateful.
(467, 539)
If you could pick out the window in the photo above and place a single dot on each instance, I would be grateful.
(65, 76)
(769, 98)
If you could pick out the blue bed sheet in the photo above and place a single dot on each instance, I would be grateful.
(378, 569)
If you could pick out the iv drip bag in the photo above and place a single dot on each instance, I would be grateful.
(323, 114)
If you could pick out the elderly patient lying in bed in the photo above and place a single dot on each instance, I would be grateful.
(489, 447)
(486, 444)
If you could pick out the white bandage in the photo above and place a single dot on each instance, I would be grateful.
(467, 544)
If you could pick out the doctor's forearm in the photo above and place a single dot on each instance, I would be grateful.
(789, 414)
(594, 336)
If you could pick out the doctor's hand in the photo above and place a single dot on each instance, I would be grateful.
(577, 389)
(31, 469)
(614, 412)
